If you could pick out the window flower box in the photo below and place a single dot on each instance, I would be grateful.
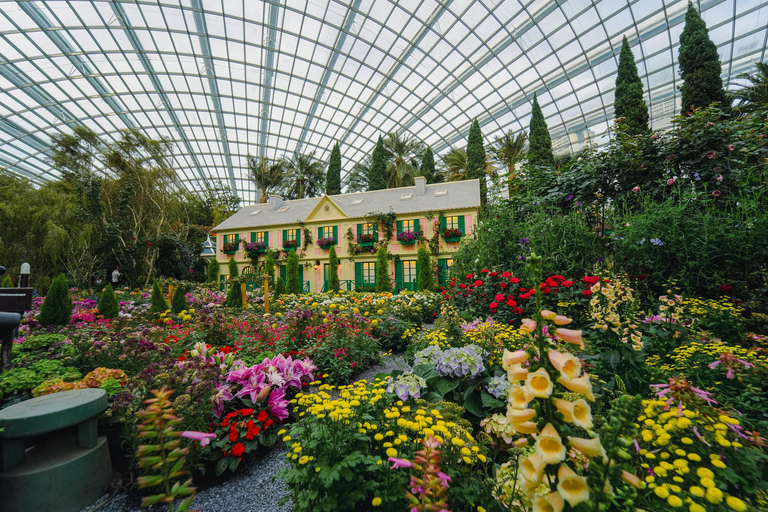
(230, 247)
(407, 238)
(452, 234)
(326, 242)
(255, 248)
(366, 240)
(290, 245)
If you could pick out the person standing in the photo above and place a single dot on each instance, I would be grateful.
(116, 277)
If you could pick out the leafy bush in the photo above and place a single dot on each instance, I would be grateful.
(213, 271)
(41, 341)
(157, 300)
(7, 282)
(57, 306)
(279, 287)
(235, 295)
(179, 300)
(108, 307)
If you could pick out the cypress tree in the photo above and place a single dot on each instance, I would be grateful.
(699, 65)
(292, 273)
(426, 277)
(629, 102)
(539, 141)
(279, 287)
(158, 304)
(179, 300)
(383, 283)
(334, 284)
(476, 159)
(333, 176)
(57, 305)
(213, 270)
(377, 174)
(107, 305)
(232, 268)
(428, 165)
(7, 282)
(235, 295)
(269, 266)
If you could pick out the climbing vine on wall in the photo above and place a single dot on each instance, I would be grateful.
(386, 221)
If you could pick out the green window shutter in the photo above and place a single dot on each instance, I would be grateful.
(253, 236)
(320, 233)
(398, 275)
(416, 277)
(301, 276)
(416, 226)
(399, 227)
(336, 233)
(283, 273)
(285, 235)
(375, 231)
(237, 237)
(298, 237)
(359, 230)
(461, 223)
(358, 273)
(266, 238)
(443, 223)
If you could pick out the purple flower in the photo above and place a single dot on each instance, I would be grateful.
(202, 437)
(400, 463)
(223, 393)
(278, 405)
(524, 241)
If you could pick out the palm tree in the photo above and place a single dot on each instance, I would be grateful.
(454, 166)
(402, 161)
(753, 96)
(506, 150)
(268, 175)
(305, 177)
(356, 180)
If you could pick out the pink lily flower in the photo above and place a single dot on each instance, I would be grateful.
(202, 437)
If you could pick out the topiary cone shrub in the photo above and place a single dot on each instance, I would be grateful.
(158, 304)
(108, 307)
(179, 301)
(292, 274)
(213, 271)
(235, 294)
(279, 287)
(383, 284)
(333, 268)
(57, 306)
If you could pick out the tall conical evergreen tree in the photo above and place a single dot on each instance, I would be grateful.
(235, 295)
(426, 272)
(179, 301)
(107, 305)
(699, 65)
(269, 266)
(383, 284)
(213, 270)
(57, 305)
(476, 159)
(629, 103)
(428, 165)
(333, 176)
(232, 268)
(334, 284)
(157, 300)
(539, 141)
(292, 273)
(377, 174)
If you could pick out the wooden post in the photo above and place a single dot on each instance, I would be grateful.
(170, 293)
(245, 297)
(266, 295)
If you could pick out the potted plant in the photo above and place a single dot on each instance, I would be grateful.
(255, 248)
(366, 240)
(407, 238)
(290, 245)
(326, 242)
(452, 234)
(229, 247)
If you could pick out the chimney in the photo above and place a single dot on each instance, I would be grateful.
(275, 202)
(420, 185)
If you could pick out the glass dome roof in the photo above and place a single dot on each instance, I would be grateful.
(224, 79)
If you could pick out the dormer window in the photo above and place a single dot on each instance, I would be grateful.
(406, 197)
(283, 209)
(441, 192)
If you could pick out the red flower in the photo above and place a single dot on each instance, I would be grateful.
(238, 450)
(462, 285)
(470, 276)
(511, 303)
(716, 193)
(725, 288)
(503, 286)
(499, 297)
(478, 283)
(506, 275)
(711, 155)
(262, 416)
(567, 284)
(586, 293)
(519, 311)
(253, 430)
(484, 271)
(233, 434)
(493, 274)
(514, 280)
(493, 305)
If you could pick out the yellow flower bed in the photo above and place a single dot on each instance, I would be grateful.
(688, 357)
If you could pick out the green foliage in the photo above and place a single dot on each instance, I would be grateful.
(629, 103)
(39, 342)
(179, 300)
(213, 271)
(426, 272)
(157, 301)
(292, 273)
(232, 268)
(540, 143)
(476, 159)
(235, 294)
(162, 457)
(427, 168)
(333, 176)
(279, 287)
(377, 174)
(383, 284)
(108, 307)
(700, 66)
(57, 306)
(269, 266)
(23, 380)
(7, 282)
(334, 284)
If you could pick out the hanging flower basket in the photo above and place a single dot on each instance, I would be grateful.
(452, 234)
(407, 238)
(230, 247)
(366, 240)
(327, 242)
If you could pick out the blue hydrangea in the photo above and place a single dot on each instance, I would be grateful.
(429, 355)
(498, 386)
(461, 362)
(407, 385)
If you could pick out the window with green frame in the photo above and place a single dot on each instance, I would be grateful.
(228, 239)
(408, 225)
(328, 232)
(443, 266)
(369, 229)
(260, 236)
(292, 235)
(454, 222)
(365, 275)
(406, 274)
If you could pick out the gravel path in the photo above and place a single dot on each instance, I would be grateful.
(252, 488)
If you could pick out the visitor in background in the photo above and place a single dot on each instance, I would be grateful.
(116, 277)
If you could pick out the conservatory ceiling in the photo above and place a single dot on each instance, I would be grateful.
(224, 79)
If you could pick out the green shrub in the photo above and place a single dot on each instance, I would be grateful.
(383, 284)
(334, 284)
(235, 294)
(108, 307)
(426, 272)
(292, 273)
(41, 341)
(269, 266)
(279, 287)
(213, 271)
(57, 306)
(179, 301)
(158, 304)
(7, 282)
(232, 268)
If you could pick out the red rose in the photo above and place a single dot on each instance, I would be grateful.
(238, 450)
(470, 276)
(511, 303)
(462, 285)
(567, 284)
(484, 271)
(499, 297)
(514, 280)
(519, 311)
(478, 283)
(493, 274)
(586, 293)
(503, 286)
(493, 305)
(506, 275)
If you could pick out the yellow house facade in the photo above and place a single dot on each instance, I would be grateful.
(355, 225)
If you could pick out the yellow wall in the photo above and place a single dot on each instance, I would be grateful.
(346, 267)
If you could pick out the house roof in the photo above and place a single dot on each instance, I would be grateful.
(404, 200)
